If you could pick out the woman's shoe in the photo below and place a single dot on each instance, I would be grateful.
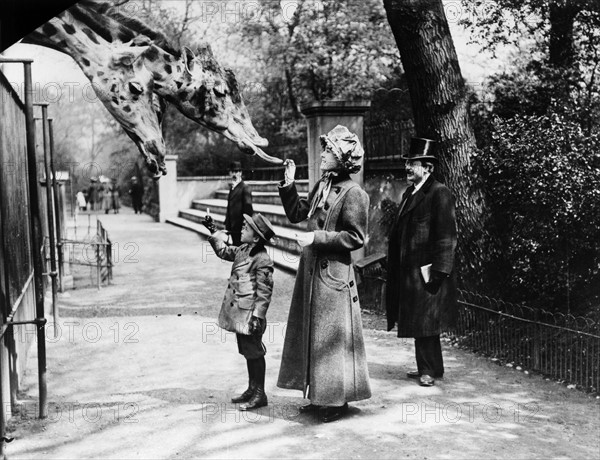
(308, 408)
(333, 413)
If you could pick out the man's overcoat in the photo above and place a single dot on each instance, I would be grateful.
(324, 347)
(424, 233)
(239, 202)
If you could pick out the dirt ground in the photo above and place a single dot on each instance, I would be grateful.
(139, 369)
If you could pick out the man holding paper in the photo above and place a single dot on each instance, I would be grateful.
(421, 286)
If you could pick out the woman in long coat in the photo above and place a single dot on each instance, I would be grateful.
(324, 354)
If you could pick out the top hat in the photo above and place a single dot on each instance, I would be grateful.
(235, 166)
(261, 226)
(421, 149)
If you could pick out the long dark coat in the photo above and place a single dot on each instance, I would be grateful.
(239, 202)
(324, 347)
(423, 233)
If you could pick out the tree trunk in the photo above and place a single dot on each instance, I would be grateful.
(439, 102)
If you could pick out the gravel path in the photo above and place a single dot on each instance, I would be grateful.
(140, 370)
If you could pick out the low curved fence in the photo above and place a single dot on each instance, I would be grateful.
(560, 346)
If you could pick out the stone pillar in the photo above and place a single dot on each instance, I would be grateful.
(167, 191)
(322, 117)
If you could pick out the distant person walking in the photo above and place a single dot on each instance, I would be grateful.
(136, 191)
(421, 290)
(106, 196)
(93, 195)
(115, 197)
(239, 202)
(81, 202)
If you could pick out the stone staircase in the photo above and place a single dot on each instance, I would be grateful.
(284, 251)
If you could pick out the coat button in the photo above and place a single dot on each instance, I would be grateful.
(324, 264)
(231, 304)
(326, 207)
(355, 298)
(351, 283)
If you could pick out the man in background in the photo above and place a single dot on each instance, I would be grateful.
(137, 192)
(239, 202)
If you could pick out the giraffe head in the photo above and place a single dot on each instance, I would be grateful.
(119, 78)
(207, 94)
(124, 86)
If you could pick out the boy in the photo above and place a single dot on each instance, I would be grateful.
(247, 299)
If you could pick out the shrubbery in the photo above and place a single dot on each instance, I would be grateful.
(542, 174)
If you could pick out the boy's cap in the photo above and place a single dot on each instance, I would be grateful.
(261, 226)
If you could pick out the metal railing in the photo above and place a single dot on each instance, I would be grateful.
(386, 143)
(560, 346)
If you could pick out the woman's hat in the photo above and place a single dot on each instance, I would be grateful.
(346, 148)
(235, 166)
(421, 149)
(261, 226)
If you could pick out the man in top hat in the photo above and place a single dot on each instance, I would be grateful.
(239, 202)
(421, 287)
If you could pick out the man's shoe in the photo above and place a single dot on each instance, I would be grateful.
(413, 374)
(426, 381)
(333, 413)
(258, 399)
(308, 408)
(245, 396)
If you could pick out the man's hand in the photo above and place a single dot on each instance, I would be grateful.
(435, 282)
(255, 326)
(290, 171)
(305, 239)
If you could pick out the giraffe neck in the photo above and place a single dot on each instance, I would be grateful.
(63, 34)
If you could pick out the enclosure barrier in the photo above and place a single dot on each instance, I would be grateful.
(561, 346)
(21, 236)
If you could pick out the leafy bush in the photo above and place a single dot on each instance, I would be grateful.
(542, 174)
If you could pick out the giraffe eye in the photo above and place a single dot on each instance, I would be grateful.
(135, 87)
(220, 89)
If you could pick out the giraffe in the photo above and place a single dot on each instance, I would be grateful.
(118, 76)
(195, 84)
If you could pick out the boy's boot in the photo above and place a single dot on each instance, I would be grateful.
(246, 395)
(259, 398)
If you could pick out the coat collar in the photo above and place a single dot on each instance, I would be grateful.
(418, 196)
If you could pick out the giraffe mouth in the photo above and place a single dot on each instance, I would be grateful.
(154, 153)
(250, 145)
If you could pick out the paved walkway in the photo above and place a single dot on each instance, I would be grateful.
(140, 370)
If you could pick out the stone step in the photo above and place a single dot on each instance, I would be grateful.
(259, 197)
(271, 186)
(282, 259)
(275, 213)
(285, 236)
